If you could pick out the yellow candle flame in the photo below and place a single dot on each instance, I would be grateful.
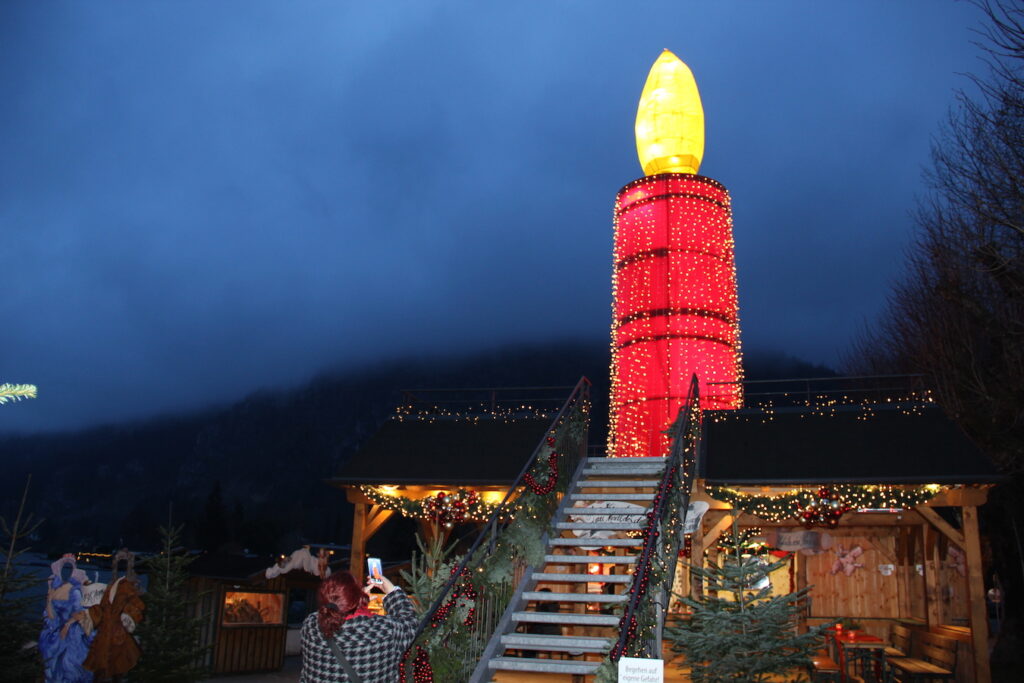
(670, 119)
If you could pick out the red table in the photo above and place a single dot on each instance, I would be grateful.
(854, 641)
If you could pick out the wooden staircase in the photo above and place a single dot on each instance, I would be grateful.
(562, 629)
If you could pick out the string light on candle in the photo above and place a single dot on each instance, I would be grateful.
(675, 311)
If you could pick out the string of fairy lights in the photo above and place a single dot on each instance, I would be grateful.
(674, 307)
(481, 412)
(449, 508)
(445, 507)
(911, 403)
(794, 503)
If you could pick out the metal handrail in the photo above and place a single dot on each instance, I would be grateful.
(675, 464)
(580, 392)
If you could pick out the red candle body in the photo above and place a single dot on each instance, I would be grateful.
(675, 309)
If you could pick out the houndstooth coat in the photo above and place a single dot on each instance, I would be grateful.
(372, 645)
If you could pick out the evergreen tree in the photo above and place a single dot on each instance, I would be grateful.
(18, 626)
(17, 662)
(170, 633)
(739, 632)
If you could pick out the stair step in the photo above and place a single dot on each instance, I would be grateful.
(658, 459)
(611, 496)
(619, 484)
(555, 666)
(546, 596)
(548, 577)
(525, 641)
(598, 542)
(590, 559)
(560, 618)
(634, 471)
(573, 512)
(606, 526)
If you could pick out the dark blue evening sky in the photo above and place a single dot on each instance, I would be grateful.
(198, 199)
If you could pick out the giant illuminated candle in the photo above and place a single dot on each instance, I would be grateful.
(675, 310)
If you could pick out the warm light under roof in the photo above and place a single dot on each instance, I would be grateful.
(670, 119)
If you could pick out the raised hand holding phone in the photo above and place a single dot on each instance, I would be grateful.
(375, 570)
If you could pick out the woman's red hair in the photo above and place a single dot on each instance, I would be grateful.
(339, 596)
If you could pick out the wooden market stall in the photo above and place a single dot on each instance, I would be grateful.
(907, 551)
(250, 619)
(447, 455)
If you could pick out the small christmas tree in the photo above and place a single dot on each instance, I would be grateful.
(19, 626)
(18, 660)
(170, 633)
(740, 631)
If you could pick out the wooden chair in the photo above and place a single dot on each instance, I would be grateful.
(899, 639)
(824, 668)
(937, 662)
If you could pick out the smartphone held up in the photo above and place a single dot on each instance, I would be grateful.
(374, 570)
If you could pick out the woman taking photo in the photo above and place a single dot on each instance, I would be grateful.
(343, 635)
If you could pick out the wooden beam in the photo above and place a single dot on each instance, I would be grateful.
(976, 590)
(375, 519)
(879, 542)
(933, 518)
(960, 497)
(358, 553)
(697, 559)
(801, 583)
(903, 573)
(932, 577)
(716, 531)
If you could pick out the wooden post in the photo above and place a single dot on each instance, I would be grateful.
(358, 553)
(697, 560)
(904, 572)
(375, 519)
(801, 583)
(976, 590)
(932, 577)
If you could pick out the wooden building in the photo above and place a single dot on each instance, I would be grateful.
(880, 565)
(252, 621)
(440, 442)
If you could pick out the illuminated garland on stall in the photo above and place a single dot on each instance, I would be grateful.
(447, 508)
(794, 504)
(464, 505)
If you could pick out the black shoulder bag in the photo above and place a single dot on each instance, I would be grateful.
(345, 666)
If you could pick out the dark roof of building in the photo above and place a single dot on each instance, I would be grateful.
(490, 451)
(910, 444)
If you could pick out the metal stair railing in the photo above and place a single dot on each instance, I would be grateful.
(491, 607)
(481, 672)
(641, 625)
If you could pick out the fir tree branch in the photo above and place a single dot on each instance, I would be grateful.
(16, 392)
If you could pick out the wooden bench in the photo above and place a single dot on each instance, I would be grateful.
(823, 667)
(937, 662)
(899, 637)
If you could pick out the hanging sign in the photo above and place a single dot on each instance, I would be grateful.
(618, 512)
(635, 670)
(804, 542)
(694, 514)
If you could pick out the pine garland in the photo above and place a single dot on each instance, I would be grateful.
(788, 505)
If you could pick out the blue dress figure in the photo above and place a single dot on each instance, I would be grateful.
(63, 642)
